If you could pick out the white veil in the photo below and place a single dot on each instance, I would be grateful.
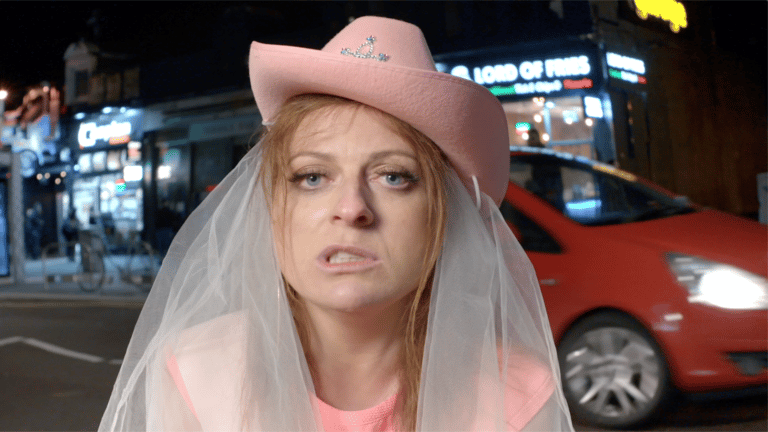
(219, 305)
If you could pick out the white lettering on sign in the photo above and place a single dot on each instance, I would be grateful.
(629, 76)
(630, 64)
(567, 67)
(90, 132)
(529, 70)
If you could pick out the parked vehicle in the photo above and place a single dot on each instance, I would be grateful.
(647, 293)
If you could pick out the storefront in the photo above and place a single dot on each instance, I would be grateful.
(557, 89)
(200, 141)
(106, 188)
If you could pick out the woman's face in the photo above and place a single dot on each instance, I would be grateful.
(354, 232)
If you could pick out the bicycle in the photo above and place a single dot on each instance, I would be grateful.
(135, 260)
(89, 270)
(140, 264)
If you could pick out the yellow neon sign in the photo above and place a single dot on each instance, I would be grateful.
(671, 11)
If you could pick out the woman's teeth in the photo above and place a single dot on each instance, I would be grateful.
(344, 257)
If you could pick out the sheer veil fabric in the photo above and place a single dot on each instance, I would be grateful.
(486, 315)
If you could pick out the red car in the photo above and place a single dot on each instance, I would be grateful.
(646, 292)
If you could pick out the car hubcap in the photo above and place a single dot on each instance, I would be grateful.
(612, 372)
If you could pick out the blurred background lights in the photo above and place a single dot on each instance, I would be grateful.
(163, 172)
(593, 107)
(537, 118)
(133, 173)
(545, 137)
(589, 122)
(3, 94)
(570, 117)
(521, 127)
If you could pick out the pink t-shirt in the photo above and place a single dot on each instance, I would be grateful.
(210, 391)
(374, 419)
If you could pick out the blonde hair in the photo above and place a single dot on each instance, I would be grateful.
(433, 166)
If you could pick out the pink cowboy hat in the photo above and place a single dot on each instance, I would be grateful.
(386, 63)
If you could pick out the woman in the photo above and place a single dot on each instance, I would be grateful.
(353, 272)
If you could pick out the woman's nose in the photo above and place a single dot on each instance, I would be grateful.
(353, 206)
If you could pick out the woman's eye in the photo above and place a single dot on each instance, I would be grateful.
(400, 180)
(394, 179)
(312, 179)
(309, 180)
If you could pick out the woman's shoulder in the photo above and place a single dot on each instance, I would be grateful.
(227, 329)
(529, 384)
(207, 365)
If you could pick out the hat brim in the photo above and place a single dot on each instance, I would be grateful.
(463, 118)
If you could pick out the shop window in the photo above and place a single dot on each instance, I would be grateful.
(560, 123)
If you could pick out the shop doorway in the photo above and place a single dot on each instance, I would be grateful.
(560, 123)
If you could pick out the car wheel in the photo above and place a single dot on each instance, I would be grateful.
(614, 373)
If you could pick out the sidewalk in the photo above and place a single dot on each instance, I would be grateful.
(63, 283)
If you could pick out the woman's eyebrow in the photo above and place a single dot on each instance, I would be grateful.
(319, 155)
(373, 157)
(385, 153)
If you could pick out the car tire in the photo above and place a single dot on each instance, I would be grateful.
(614, 373)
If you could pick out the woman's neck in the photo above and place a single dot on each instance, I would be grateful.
(355, 357)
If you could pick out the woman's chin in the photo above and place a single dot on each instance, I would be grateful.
(353, 299)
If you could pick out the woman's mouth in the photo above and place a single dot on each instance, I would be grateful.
(346, 259)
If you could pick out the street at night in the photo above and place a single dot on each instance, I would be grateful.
(59, 361)
(613, 223)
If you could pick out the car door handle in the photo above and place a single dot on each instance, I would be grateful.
(548, 282)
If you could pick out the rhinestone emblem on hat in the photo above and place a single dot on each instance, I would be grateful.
(369, 55)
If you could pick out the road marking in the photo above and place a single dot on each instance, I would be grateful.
(10, 340)
(55, 349)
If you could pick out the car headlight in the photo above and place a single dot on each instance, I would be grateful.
(717, 284)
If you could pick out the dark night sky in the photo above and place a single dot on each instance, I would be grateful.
(34, 35)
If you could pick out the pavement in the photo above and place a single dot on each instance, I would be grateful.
(61, 279)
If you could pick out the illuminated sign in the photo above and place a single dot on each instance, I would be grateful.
(671, 11)
(532, 76)
(625, 68)
(114, 133)
(628, 64)
(627, 76)
(110, 126)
